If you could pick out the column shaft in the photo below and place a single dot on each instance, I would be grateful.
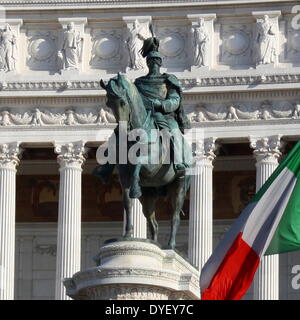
(7, 232)
(69, 215)
(139, 221)
(201, 206)
(201, 219)
(69, 228)
(8, 162)
(266, 281)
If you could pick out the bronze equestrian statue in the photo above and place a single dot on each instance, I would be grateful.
(153, 102)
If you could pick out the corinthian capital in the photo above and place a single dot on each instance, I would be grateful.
(267, 149)
(206, 150)
(9, 155)
(71, 154)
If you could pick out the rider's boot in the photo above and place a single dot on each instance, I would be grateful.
(179, 167)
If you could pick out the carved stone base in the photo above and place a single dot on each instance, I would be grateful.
(136, 270)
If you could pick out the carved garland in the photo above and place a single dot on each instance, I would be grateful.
(47, 118)
(199, 114)
(239, 112)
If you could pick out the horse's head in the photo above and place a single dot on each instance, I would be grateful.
(117, 99)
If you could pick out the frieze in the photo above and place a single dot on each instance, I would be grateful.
(204, 113)
(233, 112)
(38, 118)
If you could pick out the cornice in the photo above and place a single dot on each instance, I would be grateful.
(247, 123)
(254, 81)
(98, 99)
(241, 95)
(107, 4)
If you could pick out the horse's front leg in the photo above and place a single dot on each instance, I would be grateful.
(177, 196)
(148, 203)
(127, 202)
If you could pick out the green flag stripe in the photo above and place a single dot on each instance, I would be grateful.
(291, 161)
(287, 235)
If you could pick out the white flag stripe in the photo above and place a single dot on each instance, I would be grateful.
(262, 223)
(252, 227)
(213, 263)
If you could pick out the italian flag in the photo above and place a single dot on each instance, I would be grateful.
(270, 224)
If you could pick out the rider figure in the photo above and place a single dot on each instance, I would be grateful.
(161, 94)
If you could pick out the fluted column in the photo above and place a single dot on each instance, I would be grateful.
(70, 158)
(201, 204)
(8, 162)
(139, 220)
(266, 152)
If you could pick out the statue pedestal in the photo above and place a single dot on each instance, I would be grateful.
(136, 270)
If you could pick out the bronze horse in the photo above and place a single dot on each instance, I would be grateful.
(156, 180)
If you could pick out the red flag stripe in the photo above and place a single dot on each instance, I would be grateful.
(235, 274)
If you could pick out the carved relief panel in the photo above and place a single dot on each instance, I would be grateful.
(42, 49)
(292, 45)
(266, 38)
(202, 38)
(174, 45)
(71, 44)
(137, 29)
(9, 41)
(107, 49)
(236, 44)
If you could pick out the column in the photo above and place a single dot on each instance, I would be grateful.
(70, 158)
(266, 152)
(201, 204)
(8, 161)
(138, 219)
